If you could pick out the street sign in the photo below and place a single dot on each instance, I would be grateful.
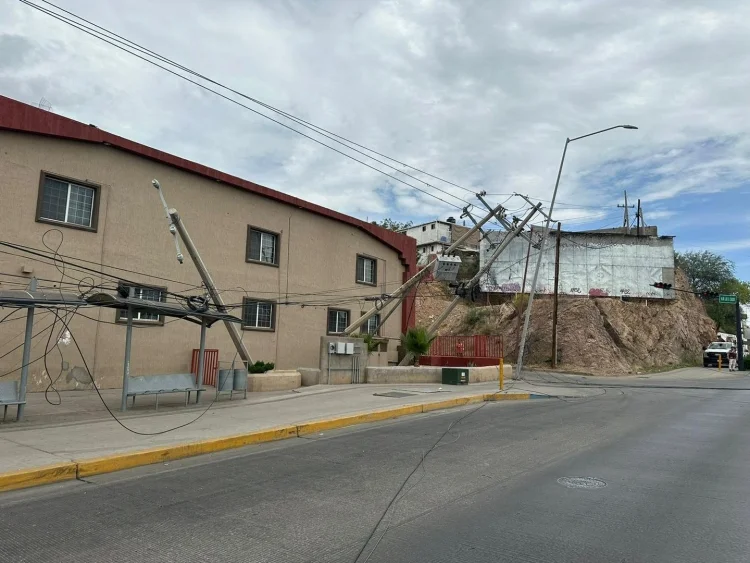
(727, 299)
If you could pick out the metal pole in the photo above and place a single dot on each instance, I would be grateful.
(415, 278)
(26, 355)
(519, 363)
(740, 342)
(473, 281)
(201, 360)
(554, 302)
(234, 333)
(128, 345)
(544, 239)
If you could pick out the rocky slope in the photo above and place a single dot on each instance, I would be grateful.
(602, 336)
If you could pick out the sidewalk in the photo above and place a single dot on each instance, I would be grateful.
(81, 429)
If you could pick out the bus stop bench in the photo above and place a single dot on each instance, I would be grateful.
(9, 395)
(158, 384)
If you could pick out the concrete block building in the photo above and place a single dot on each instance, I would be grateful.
(293, 270)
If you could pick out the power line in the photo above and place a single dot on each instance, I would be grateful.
(299, 120)
(98, 35)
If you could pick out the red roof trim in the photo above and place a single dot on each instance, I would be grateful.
(17, 116)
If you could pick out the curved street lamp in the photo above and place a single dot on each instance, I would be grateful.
(544, 240)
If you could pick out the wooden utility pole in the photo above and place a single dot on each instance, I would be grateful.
(554, 302)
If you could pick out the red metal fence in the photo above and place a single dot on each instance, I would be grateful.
(210, 365)
(476, 346)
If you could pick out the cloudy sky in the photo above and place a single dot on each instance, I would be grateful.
(479, 93)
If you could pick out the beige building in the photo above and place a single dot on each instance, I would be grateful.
(436, 236)
(293, 271)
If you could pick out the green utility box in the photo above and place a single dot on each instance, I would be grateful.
(455, 376)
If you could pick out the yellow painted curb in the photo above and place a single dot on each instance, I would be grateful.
(507, 397)
(37, 476)
(343, 421)
(450, 403)
(118, 462)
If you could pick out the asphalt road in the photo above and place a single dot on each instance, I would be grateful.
(672, 468)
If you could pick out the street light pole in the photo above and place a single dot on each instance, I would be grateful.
(545, 233)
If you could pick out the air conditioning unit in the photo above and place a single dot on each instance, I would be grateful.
(446, 268)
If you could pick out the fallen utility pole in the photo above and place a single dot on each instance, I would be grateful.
(501, 217)
(475, 280)
(401, 291)
(234, 333)
(554, 302)
(177, 226)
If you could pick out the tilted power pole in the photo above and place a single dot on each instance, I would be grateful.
(516, 231)
(177, 226)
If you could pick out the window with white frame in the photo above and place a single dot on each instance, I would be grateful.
(67, 202)
(367, 270)
(258, 314)
(338, 320)
(142, 316)
(262, 246)
(372, 325)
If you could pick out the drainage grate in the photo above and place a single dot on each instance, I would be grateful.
(394, 394)
(581, 482)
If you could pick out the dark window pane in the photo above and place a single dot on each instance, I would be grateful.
(360, 268)
(255, 237)
(54, 200)
(332, 321)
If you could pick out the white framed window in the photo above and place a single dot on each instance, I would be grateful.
(258, 314)
(338, 320)
(367, 270)
(372, 325)
(262, 246)
(142, 316)
(67, 202)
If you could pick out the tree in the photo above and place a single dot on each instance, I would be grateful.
(705, 270)
(392, 225)
(724, 315)
(708, 271)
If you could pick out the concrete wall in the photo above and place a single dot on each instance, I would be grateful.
(317, 254)
(598, 265)
(337, 369)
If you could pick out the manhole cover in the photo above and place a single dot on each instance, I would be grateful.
(393, 394)
(581, 482)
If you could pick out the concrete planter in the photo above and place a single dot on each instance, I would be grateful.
(283, 380)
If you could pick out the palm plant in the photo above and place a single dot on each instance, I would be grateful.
(417, 341)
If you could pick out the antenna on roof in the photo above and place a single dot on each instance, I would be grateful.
(44, 104)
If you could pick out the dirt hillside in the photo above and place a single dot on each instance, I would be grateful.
(602, 336)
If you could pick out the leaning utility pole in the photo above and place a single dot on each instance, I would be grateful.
(177, 226)
(469, 286)
(402, 291)
(554, 302)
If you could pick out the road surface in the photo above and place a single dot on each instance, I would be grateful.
(667, 479)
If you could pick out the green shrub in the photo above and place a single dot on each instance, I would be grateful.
(417, 341)
(474, 316)
(369, 341)
(260, 367)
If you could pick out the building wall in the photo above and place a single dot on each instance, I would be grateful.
(440, 233)
(317, 254)
(591, 264)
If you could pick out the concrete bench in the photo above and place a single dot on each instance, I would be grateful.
(159, 384)
(9, 395)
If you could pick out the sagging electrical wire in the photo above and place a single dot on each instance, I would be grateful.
(96, 388)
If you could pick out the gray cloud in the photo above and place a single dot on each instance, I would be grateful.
(482, 93)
